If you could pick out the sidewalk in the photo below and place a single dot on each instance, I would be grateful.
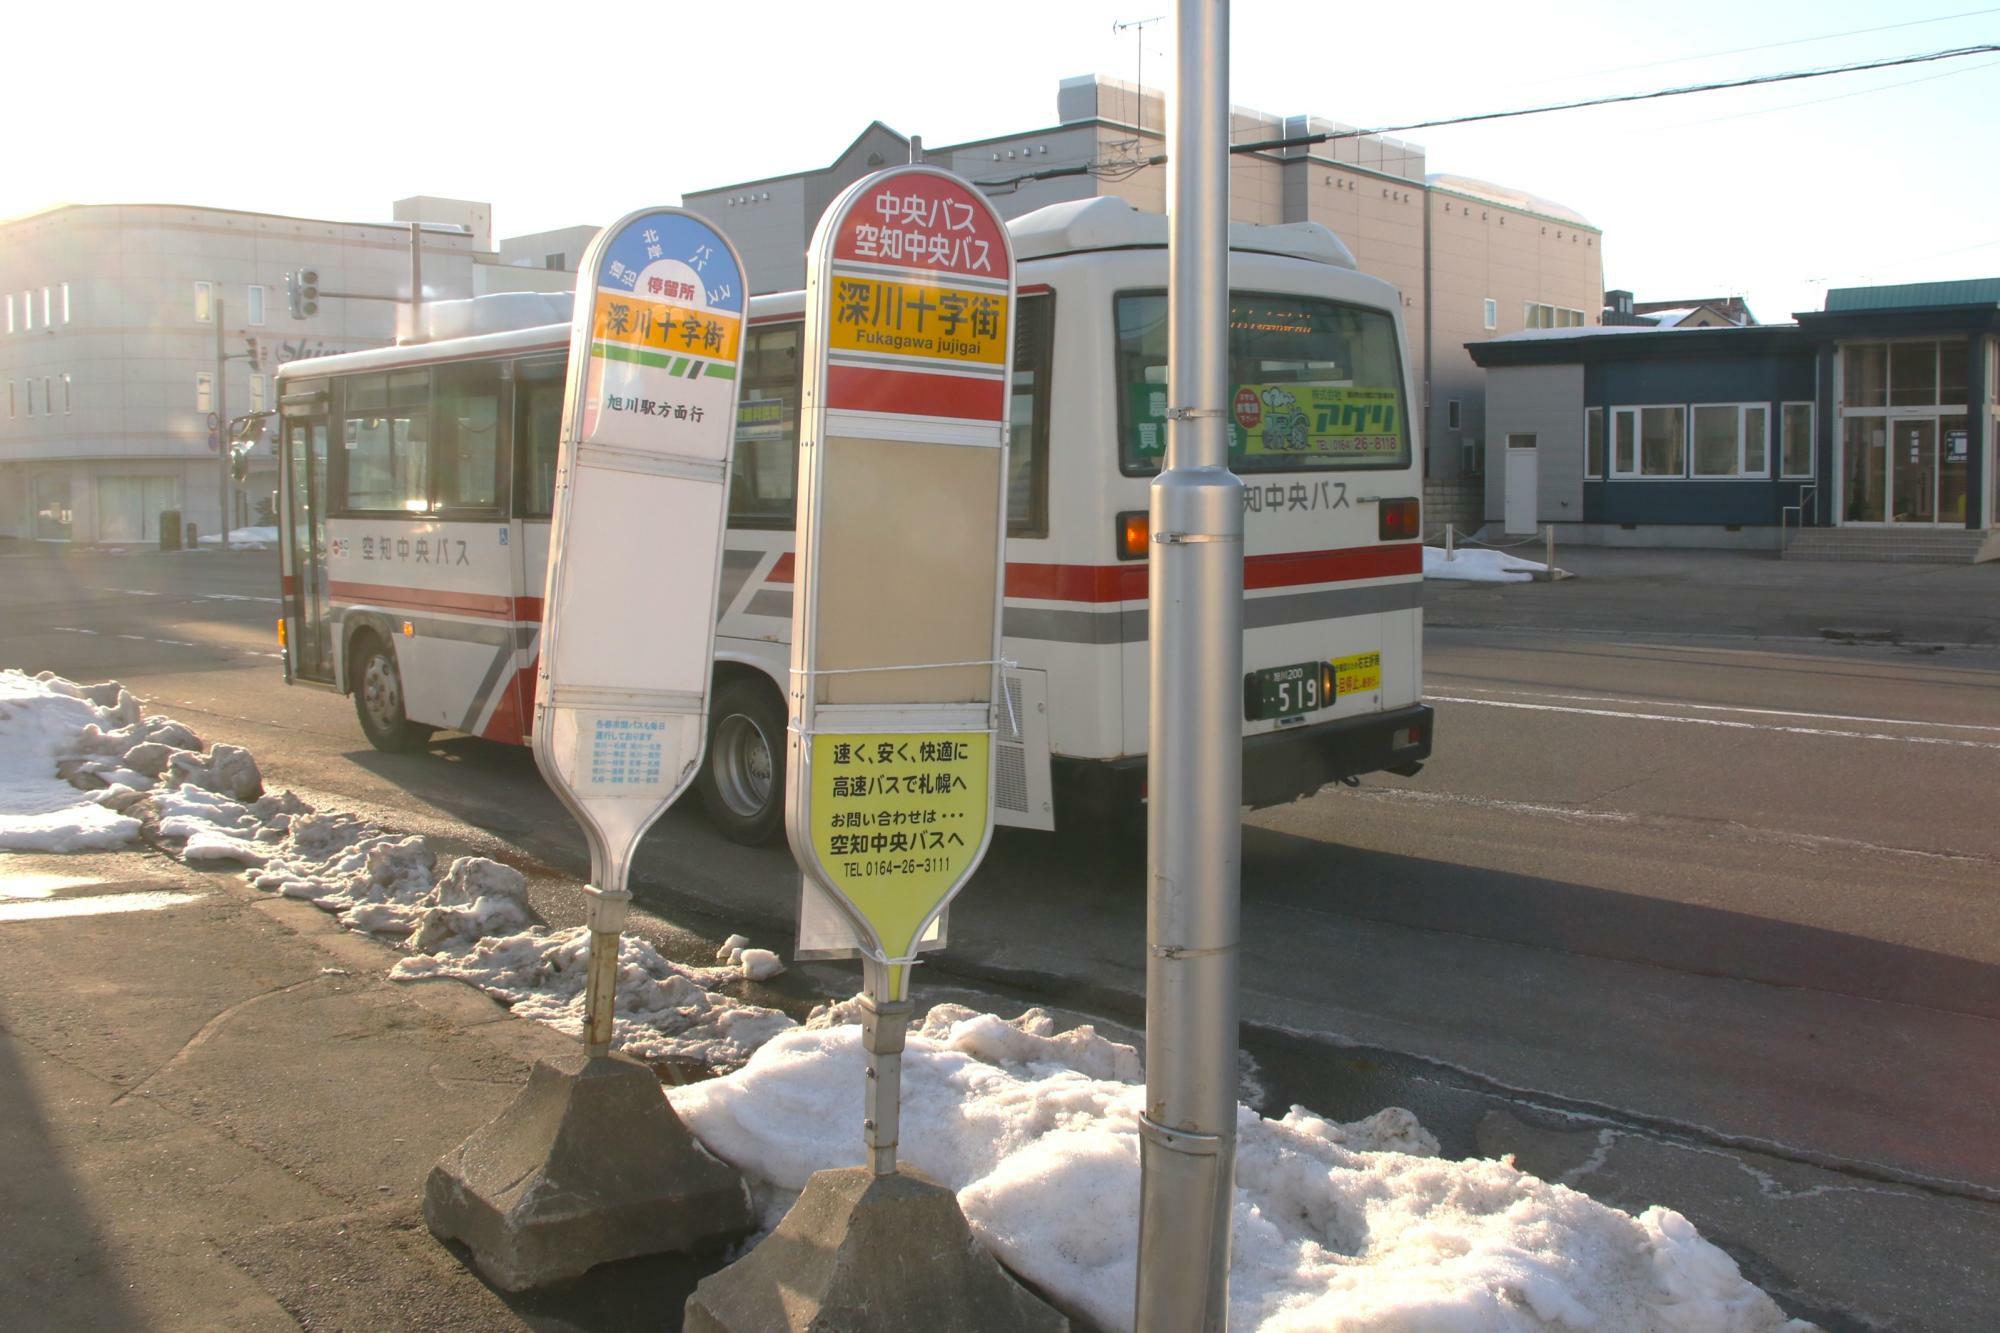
(1735, 594)
(219, 1114)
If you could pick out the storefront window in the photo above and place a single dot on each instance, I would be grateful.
(52, 511)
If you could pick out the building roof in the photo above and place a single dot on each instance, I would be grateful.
(1508, 197)
(1914, 295)
(1540, 347)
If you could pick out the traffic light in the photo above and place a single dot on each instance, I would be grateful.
(250, 351)
(308, 292)
(292, 296)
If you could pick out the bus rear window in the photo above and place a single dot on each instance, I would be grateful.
(1313, 384)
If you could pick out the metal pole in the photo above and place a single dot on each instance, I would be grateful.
(1450, 543)
(221, 406)
(883, 1027)
(1195, 748)
(1549, 533)
(416, 282)
(606, 918)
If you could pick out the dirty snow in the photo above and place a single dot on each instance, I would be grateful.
(1473, 565)
(1337, 1226)
(82, 769)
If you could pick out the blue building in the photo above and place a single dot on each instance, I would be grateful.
(1874, 416)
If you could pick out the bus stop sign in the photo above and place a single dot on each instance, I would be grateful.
(628, 626)
(901, 553)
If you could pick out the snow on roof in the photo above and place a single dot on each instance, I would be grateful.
(1507, 197)
(1670, 319)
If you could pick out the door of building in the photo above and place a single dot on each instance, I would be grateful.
(1523, 475)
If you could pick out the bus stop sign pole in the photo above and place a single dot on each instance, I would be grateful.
(590, 1164)
(1195, 751)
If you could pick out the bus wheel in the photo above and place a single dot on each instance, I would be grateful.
(378, 698)
(743, 781)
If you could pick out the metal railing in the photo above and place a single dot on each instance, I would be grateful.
(1807, 492)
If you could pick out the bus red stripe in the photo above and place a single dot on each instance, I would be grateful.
(1127, 582)
(907, 393)
(491, 605)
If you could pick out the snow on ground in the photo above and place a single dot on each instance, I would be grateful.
(1473, 565)
(1337, 1227)
(244, 539)
(81, 769)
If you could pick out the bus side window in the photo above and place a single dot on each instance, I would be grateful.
(538, 407)
(465, 439)
(764, 473)
(384, 441)
(1028, 414)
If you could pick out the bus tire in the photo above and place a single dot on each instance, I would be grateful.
(378, 697)
(742, 780)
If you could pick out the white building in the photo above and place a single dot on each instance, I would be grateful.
(112, 318)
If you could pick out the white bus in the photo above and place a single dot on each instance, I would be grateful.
(416, 483)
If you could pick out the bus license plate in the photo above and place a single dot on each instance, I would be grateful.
(1284, 691)
(1359, 674)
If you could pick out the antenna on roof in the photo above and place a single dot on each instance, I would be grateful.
(1138, 27)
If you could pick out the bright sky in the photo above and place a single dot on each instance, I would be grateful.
(571, 113)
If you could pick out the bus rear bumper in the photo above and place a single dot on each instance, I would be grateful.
(1278, 766)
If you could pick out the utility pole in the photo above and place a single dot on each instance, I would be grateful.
(220, 413)
(1187, 1137)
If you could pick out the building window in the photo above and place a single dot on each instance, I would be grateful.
(553, 262)
(65, 302)
(1732, 440)
(204, 303)
(47, 307)
(1473, 454)
(256, 303)
(1649, 442)
(204, 391)
(256, 393)
(1491, 314)
(1520, 441)
(1795, 450)
(69, 403)
(1451, 414)
(1536, 315)
(48, 396)
(27, 311)
(11, 410)
(1593, 443)
(10, 312)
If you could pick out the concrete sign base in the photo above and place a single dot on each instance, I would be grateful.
(537, 1195)
(891, 1254)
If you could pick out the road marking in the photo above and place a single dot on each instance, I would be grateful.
(1737, 708)
(70, 629)
(234, 597)
(1715, 722)
(136, 638)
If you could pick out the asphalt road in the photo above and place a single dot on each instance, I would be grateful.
(1692, 913)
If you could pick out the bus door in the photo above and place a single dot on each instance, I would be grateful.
(302, 516)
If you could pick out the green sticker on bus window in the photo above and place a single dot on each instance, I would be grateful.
(1304, 420)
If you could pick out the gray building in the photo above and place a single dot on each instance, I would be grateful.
(1472, 259)
(112, 318)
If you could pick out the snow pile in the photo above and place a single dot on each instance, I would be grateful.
(754, 964)
(244, 539)
(76, 759)
(1356, 1226)
(472, 922)
(664, 1011)
(1480, 566)
(82, 769)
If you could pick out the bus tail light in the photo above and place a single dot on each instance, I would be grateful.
(1134, 534)
(1396, 520)
(1406, 738)
(281, 632)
